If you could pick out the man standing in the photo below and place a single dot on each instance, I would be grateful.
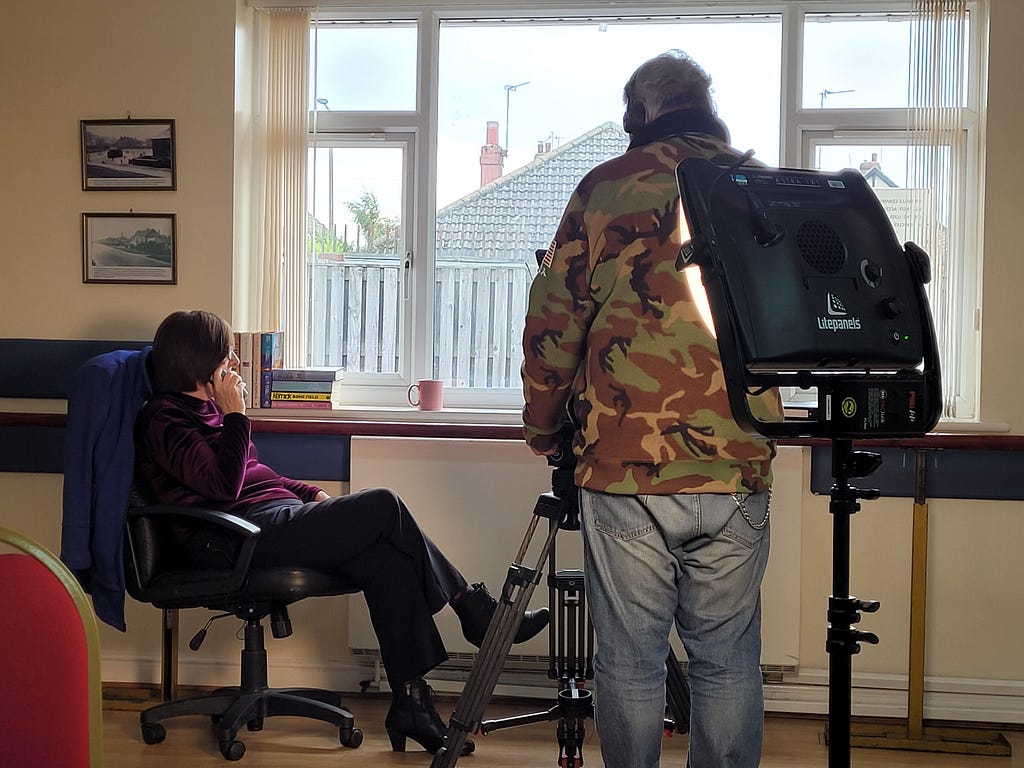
(673, 493)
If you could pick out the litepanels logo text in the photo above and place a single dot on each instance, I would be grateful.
(838, 318)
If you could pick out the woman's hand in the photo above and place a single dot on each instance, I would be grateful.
(228, 391)
(322, 496)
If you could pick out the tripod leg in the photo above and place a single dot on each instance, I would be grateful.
(571, 733)
(516, 594)
(575, 705)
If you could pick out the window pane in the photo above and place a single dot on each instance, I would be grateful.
(854, 61)
(355, 236)
(363, 67)
(517, 130)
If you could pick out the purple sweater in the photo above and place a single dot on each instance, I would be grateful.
(190, 453)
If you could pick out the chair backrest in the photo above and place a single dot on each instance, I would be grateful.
(50, 685)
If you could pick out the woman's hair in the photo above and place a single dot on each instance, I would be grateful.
(666, 83)
(187, 348)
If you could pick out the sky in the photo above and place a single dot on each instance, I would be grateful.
(569, 80)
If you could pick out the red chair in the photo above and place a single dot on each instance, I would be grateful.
(50, 687)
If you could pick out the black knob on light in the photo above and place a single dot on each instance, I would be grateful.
(871, 272)
(891, 307)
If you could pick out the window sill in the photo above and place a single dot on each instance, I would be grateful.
(459, 423)
(972, 427)
(400, 414)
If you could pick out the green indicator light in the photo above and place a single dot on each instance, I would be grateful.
(906, 337)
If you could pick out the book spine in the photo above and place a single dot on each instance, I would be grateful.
(271, 357)
(320, 404)
(285, 385)
(257, 367)
(303, 374)
(245, 359)
(266, 380)
(302, 396)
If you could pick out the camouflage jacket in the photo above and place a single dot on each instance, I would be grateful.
(613, 332)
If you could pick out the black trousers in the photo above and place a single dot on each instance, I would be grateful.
(371, 539)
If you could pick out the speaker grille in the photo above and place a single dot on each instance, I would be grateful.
(821, 247)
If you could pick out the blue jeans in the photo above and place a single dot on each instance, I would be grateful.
(698, 559)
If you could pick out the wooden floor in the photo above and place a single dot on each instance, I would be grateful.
(790, 742)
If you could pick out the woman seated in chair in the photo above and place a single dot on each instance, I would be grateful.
(193, 447)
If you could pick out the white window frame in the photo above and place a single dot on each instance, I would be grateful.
(799, 128)
(368, 388)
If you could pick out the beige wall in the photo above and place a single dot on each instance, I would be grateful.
(65, 60)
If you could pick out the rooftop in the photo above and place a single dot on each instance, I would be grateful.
(517, 214)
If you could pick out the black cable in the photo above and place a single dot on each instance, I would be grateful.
(687, 249)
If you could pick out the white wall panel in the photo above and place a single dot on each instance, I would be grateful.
(475, 498)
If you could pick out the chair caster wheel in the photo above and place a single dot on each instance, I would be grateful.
(350, 737)
(153, 733)
(232, 750)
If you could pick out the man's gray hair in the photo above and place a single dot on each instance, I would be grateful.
(669, 82)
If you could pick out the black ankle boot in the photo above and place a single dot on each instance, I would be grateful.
(475, 609)
(412, 715)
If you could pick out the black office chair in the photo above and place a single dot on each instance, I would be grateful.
(187, 557)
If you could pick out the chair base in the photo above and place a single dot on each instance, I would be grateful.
(231, 709)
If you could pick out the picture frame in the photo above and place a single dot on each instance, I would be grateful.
(128, 155)
(132, 247)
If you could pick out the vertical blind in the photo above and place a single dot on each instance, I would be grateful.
(936, 163)
(278, 295)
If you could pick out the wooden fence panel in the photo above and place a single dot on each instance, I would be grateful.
(390, 315)
(520, 295)
(481, 336)
(445, 318)
(356, 311)
(464, 280)
(372, 328)
(317, 334)
(355, 285)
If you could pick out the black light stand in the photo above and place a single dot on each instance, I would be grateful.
(832, 302)
(844, 610)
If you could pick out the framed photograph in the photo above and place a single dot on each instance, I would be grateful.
(129, 248)
(128, 154)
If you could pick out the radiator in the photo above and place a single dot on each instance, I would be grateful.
(475, 498)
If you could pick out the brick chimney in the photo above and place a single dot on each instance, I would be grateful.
(492, 157)
(871, 164)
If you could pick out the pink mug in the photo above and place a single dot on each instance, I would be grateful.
(429, 394)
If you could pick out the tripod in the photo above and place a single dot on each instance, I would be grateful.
(570, 644)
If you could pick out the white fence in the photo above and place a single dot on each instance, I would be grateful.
(478, 318)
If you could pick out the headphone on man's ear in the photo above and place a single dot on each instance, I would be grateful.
(634, 118)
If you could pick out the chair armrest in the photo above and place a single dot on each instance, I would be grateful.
(234, 528)
(226, 520)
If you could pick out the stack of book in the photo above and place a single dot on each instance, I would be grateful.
(306, 387)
